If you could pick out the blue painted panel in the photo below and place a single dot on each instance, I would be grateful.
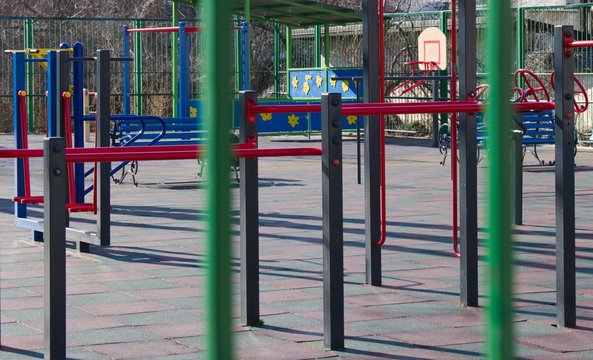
(346, 87)
(307, 83)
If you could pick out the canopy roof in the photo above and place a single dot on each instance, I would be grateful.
(299, 12)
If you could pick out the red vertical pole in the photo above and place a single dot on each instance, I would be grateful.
(382, 123)
(25, 141)
(454, 124)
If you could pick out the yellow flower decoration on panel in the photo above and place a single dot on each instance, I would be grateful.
(345, 86)
(306, 87)
(308, 77)
(193, 112)
(293, 120)
(295, 82)
(333, 82)
(352, 119)
(318, 81)
(266, 116)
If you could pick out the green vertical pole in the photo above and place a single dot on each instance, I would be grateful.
(520, 41)
(29, 72)
(217, 98)
(499, 114)
(326, 45)
(444, 87)
(175, 61)
(276, 60)
(288, 57)
(317, 46)
(138, 67)
(247, 12)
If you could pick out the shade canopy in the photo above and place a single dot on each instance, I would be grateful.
(299, 12)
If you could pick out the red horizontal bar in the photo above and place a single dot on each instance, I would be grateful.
(582, 43)
(534, 106)
(20, 153)
(30, 153)
(411, 108)
(128, 155)
(303, 108)
(400, 108)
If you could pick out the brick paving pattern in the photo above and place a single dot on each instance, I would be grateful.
(144, 296)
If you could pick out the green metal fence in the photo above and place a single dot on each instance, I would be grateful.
(152, 88)
(152, 61)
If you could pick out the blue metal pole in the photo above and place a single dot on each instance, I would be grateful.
(245, 55)
(52, 97)
(78, 111)
(126, 79)
(183, 71)
(18, 83)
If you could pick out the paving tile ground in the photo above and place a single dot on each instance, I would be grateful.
(144, 297)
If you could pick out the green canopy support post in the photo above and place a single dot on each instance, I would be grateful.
(138, 67)
(288, 58)
(217, 15)
(499, 113)
(326, 46)
(444, 86)
(29, 72)
(247, 44)
(175, 61)
(317, 46)
(520, 41)
(276, 60)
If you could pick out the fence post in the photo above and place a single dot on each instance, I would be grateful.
(564, 65)
(333, 233)
(249, 212)
(54, 252)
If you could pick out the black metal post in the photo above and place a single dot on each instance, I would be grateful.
(358, 138)
(435, 116)
(333, 233)
(102, 132)
(518, 165)
(468, 185)
(372, 146)
(54, 252)
(249, 211)
(564, 65)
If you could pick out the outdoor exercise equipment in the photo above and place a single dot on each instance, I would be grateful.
(57, 159)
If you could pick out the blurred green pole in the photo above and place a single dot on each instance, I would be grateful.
(175, 61)
(217, 15)
(499, 117)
